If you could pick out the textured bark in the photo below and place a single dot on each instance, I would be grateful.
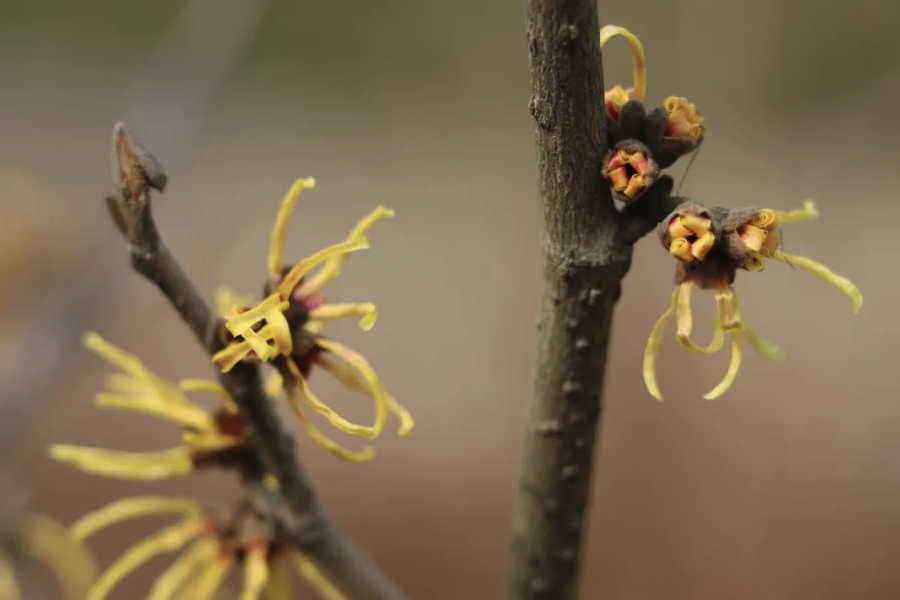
(585, 261)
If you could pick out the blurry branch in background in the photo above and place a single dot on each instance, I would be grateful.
(587, 251)
(294, 508)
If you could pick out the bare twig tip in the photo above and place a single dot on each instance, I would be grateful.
(134, 168)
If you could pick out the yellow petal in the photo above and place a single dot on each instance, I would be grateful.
(115, 356)
(637, 57)
(766, 219)
(808, 212)
(685, 324)
(302, 268)
(362, 366)
(279, 231)
(316, 580)
(210, 442)
(8, 588)
(210, 580)
(753, 237)
(652, 350)
(313, 326)
(227, 302)
(173, 579)
(733, 367)
(328, 312)
(125, 465)
(210, 387)
(681, 248)
(256, 573)
(365, 455)
(274, 386)
(279, 585)
(126, 509)
(824, 273)
(231, 355)
(169, 539)
(332, 269)
(763, 347)
(703, 245)
(696, 224)
(354, 382)
(323, 409)
(51, 543)
(188, 416)
(246, 320)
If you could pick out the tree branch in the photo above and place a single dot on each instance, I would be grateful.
(297, 511)
(585, 260)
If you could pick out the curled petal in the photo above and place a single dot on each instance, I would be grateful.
(764, 348)
(635, 186)
(126, 509)
(231, 355)
(807, 213)
(271, 310)
(210, 387)
(279, 232)
(188, 416)
(228, 302)
(756, 263)
(302, 268)
(125, 465)
(685, 324)
(210, 442)
(681, 248)
(332, 269)
(637, 56)
(274, 386)
(279, 585)
(753, 237)
(733, 367)
(138, 380)
(696, 224)
(323, 409)
(316, 580)
(328, 312)
(652, 350)
(615, 99)
(618, 179)
(319, 438)
(365, 370)
(256, 572)
(352, 380)
(703, 245)
(824, 273)
(51, 543)
(169, 539)
(173, 579)
(765, 219)
(208, 582)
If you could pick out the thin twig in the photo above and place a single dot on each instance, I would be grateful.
(587, 251)
(299, 515)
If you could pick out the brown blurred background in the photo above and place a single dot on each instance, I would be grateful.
(786, 488)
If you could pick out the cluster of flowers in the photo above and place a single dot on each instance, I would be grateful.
(284, 331)
(709, 244)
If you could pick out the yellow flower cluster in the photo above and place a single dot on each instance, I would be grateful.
(264, 331)
(711, 245)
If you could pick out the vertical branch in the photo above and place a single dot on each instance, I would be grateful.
(584, 263)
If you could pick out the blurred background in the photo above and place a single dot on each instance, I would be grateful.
(786, 488)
